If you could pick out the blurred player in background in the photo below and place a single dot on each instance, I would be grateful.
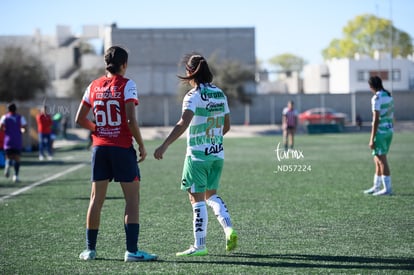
(44, 129)
(13, 125)
(289, 124)
(205, 111)
(381, 136)
(112, 99)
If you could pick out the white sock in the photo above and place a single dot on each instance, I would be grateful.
(200, 220)
(386, 181)
(220, 210)
(377, 181)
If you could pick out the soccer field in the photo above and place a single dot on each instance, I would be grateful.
(302, 213)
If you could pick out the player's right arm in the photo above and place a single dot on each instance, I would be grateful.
(176, 132)
(375, 120)
(81, 117)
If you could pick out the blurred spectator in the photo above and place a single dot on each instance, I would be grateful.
(65, 122)
(289, 124)
(2, 156)
(13, 125)
(359, 121)
(44, 128)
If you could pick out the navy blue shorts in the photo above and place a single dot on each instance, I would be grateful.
(11, 152)
(114, 163)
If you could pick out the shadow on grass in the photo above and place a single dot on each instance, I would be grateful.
(313, 261)
(107, 198)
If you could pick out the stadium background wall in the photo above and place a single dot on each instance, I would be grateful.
(164, 110)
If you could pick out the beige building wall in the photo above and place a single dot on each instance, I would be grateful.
(155, 53)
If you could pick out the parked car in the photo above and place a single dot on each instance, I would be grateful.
(322, 116)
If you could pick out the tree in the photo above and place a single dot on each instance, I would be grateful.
(84, 78)
(366, 34)
(288, 62)
(22, 76)
(232, 77)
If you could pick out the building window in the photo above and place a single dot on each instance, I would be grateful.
(362, 76)
(382, 74)
(396, 75)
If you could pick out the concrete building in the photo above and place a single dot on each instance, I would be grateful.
(155, 53)
(60, 55)
(351, 75)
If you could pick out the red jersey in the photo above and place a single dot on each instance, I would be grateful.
(107, 97)
(44, 123)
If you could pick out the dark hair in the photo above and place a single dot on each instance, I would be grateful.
(197, 68)
(12, 107)
(115, 57)
(375, 83)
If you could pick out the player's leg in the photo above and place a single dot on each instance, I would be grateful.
(126, 171)
(16, 164)
(41, 146)
(385, 176)
(194, 181)
(8, 163)
(131, 224)
(93, 217)
(101, 174)
(377, 181)
(97, 199)
(291, 132)
(218, 205)
(49, 145)
(285, 138)
(382, 145)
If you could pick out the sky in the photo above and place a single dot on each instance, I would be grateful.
(300, 27)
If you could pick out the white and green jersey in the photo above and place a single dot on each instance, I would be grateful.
(384, 104)
(205, 132)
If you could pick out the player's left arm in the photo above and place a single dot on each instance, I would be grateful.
(134, 128)
(23, 123)
(226, 126)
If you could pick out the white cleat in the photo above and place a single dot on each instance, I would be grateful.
(372, 190)
(383, 192)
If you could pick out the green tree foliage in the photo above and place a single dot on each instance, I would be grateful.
(82, 81)
(288, 62)
(232, 77)
(22, 76)
(366, 34)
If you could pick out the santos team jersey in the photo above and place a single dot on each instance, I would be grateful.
(384, 104)
(205, 133)
(107, 97)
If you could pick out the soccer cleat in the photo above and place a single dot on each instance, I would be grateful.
(88, 255)
(41, 157)
(49, 158)
(194, 251)
(139, 256)
(383, 192)
(231, 240)
(372, 190)
(15, 179)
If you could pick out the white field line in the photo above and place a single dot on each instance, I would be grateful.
(27, 188)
